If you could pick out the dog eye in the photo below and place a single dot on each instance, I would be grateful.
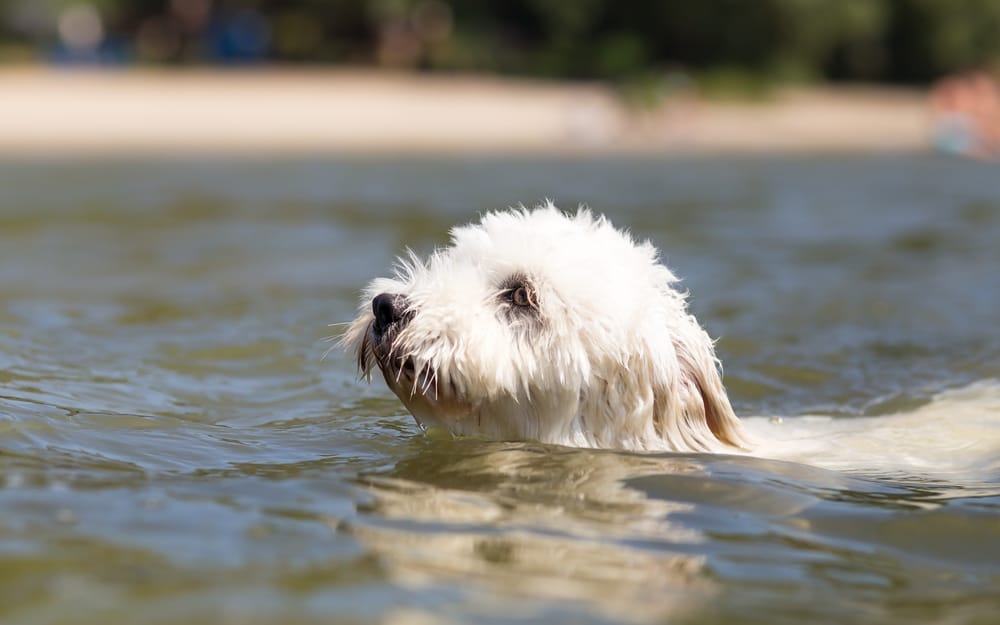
(518, 292)
(520, 296)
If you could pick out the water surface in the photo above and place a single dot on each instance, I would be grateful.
(175, 449)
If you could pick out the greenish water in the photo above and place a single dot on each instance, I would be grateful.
(174, 448)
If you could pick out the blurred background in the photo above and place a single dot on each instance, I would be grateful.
(898, 41)
(841, 75)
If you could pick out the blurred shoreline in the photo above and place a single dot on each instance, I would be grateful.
(270, 112)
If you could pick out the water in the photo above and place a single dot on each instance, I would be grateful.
(175, 449)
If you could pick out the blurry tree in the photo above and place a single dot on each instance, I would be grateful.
(928, 38)
(760, 40)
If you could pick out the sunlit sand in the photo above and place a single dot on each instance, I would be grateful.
(267, 112)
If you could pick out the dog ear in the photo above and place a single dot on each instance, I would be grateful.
(692, 411)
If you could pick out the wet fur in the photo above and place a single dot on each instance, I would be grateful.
(608, 355)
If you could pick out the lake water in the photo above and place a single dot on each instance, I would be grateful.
(174, 448)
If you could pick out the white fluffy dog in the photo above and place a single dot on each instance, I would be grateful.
(538, 325)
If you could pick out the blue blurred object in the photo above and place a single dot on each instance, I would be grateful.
(113, 51)
(954, 134)
(241, 37)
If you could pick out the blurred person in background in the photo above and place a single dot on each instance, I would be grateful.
(965, 115)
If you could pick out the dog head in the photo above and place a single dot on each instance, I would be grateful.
(538, 325)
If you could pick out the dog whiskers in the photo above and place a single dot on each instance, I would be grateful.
(430, 379)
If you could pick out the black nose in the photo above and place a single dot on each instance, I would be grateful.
(388, 308)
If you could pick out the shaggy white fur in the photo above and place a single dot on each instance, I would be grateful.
(538, 325)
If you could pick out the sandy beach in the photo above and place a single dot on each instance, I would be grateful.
(47, 112)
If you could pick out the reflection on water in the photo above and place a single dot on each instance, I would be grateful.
(174, 449)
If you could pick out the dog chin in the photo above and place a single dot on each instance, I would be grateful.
(431, 404)
(431, 409)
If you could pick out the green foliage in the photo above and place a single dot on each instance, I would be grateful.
(725, 42)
